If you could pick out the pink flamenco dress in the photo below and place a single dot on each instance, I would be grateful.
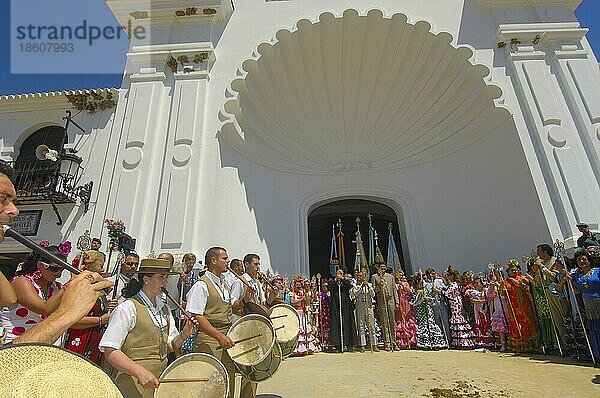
(406, 326)
(306, 338)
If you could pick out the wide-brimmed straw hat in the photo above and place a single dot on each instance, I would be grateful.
(47, 371)
(155, 266)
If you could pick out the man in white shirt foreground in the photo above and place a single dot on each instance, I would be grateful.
(210, 302)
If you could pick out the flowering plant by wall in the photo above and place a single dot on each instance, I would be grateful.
(115, 227)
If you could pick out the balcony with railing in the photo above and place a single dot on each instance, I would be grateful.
(48, 182)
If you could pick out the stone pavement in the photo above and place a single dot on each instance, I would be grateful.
(439, 374)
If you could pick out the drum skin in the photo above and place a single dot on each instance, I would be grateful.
(195, 365)
(286, 323)
(253, 308)
(255, 350)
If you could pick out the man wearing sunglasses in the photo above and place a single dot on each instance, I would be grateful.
(128, 269)
(587, 238)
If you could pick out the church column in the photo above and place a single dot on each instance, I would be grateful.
(165, 83)
(558, 135)
(136, 186)
(175, 219)
(579, 78)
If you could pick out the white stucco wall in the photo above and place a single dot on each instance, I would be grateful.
(157, 163)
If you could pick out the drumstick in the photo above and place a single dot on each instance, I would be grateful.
(242, 340)
(183, 380)
(187, 314)
(244, 352)
(278, 316)
(243, 280)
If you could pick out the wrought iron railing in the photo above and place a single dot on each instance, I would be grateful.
(44, 181)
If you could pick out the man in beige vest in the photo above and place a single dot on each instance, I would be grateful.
(209, 300)
(387, 300)
(141, 332)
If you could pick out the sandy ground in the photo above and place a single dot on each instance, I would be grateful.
(447, 374)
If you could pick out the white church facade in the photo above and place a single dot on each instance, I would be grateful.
(474, 123)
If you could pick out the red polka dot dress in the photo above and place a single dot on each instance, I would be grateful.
(17, 319)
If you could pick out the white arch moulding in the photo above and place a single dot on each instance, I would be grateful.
(388, 95)
(400, 200)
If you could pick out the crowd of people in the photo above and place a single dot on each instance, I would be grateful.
(542, 306)
(123, 322)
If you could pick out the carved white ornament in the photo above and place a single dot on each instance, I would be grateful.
(358, 94)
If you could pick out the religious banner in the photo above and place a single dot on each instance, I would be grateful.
(393, 260)
(371, 241)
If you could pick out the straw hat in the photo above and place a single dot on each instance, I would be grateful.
(155, 266)
(47, 371)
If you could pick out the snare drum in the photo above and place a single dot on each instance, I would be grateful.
(193, 366)
(286, 323)
(255, 339)
(265, 369)
(255, 345)
(251, 307)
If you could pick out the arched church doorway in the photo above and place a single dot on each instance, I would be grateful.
(322, 218)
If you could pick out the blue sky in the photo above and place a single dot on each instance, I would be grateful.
(97, 57)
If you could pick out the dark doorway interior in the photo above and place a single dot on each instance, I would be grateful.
(322, 218)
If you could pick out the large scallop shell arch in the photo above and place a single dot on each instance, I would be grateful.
(358, 93)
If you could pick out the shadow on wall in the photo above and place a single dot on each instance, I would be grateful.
(478, 29)
(272, 219)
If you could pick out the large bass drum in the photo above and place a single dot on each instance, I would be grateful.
(256, 354)
(188, 368)
(286, 323)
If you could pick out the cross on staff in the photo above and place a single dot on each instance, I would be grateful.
(559, 247)
(340, 242)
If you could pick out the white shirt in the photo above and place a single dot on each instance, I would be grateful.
(235, 285)
(198, 295)
(259, 294)
(124, 317)
(237, 288)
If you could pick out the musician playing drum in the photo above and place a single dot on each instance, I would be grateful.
(209, 300)
(141, 332)
(252, 266)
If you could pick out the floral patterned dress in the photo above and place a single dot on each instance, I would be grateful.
(85, 341)
(306, 338)
(460, 330)
(498, 316)
(406, 324)
(429, 334)
(522, 334)
(547, 334)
